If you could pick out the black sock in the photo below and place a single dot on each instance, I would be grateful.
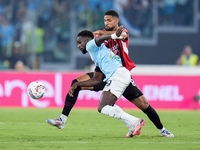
(68, 106)
(153, 116)
(70, 101)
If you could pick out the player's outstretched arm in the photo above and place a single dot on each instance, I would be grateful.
(88, 83)
(100, 32)
(116, 35)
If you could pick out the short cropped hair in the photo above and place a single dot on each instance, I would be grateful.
(112, 13)
(86, 33)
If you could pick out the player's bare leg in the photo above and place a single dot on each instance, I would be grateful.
(141, 102)
(84, 78)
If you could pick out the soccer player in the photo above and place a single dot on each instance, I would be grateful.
(117, 77)
(132, 93)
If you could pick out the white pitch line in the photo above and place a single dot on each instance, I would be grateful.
(76, 142)
(32, 123)
(26, 123)
(101, 129)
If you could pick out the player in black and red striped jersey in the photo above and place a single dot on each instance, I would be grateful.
(119, 47)
(132, 93)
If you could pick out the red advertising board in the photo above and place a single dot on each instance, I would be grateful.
(164, 92)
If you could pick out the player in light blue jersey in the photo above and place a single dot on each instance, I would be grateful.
(104, 58)
(117, 77)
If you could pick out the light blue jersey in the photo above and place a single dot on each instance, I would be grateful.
(104, 58)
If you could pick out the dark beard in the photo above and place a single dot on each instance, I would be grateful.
(110, 29)
(84, 51)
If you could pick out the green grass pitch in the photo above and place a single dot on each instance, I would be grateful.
(26, 129)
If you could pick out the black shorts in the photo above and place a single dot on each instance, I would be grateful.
(132, 91)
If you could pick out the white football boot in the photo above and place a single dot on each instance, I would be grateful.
(56, 122)
(136, 130)
(166, 133)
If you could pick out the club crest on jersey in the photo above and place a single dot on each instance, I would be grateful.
(112, 55)
(115, 49)
(108, 82)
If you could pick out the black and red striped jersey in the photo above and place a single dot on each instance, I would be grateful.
(120, 48)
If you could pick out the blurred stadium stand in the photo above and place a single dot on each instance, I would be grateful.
(47, 30)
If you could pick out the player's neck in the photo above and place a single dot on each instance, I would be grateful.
(115, 28)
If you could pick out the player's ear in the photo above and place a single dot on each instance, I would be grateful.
(117, 20)
(88, 39)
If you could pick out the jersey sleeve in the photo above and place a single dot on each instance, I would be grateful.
(91, 46)
(97, 69)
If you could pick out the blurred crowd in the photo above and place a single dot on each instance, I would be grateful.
(35, 31)
(176, 12)
(41, 29)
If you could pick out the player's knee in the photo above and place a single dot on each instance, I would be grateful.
(141, 102)
(99, 109)
(78, 88)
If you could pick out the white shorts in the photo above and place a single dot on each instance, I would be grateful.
(118, 82)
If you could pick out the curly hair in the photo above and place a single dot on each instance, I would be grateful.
(86, 33)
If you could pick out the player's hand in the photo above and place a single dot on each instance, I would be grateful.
(97, 33)
(72, 88)
(119, 34)
(119, 31)
(123, 35)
